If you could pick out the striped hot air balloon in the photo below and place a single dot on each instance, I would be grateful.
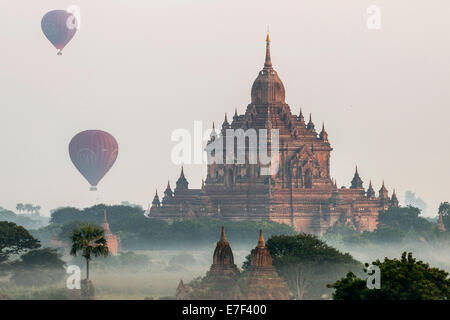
(93, 152)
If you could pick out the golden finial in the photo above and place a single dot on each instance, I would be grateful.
(223, 237)
(261, 242)
(268, 62)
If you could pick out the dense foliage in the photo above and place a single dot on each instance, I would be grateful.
(14, 239)
(136, 231)
(444, 208)
(401, 279)
(396, 225)
(38, 267)
(404, 218)
(28, 221)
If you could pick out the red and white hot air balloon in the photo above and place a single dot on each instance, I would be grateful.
(93, 152)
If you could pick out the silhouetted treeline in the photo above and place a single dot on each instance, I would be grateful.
(136, 231)
(28, 221)
(396, 225)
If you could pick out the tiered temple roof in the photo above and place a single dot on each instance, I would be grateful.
(299, 191)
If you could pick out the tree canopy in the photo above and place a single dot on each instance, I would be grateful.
(38, 267)
(136, 231)
(403, 218)
(444, 208)
(14, 239)
(401, 279)
(395, 225)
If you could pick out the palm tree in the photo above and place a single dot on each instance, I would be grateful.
(35, 209)
(28, 207)
(90, 240)
(20, 207)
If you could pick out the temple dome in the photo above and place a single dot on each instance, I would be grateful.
(268, 87)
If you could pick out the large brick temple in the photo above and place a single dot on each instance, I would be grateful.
(301, 193)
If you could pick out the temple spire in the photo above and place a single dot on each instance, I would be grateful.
(213, 133)
(357, 183)
(156, 202)
(394, 200)
(225, 124)
(223, 236)
(182, 172)
(261, 242)
(310, 125)
(105, 224)
(223, 256)
(370, 191)
(441, 224)
(384, 195)
(301, 117)
(167, 193)
(268, 62)
(182, 183)
(323, 134)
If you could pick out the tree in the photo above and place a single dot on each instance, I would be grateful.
(136, 231)
(401, 279)
(444, 208)
(45, 234)
(38, 267)
(35, 209)
(14, 239)
(20, 207)
(307, 264)
(6, 215)
(65, 215)
(404, 218)
(28, 207)
(385, 234)
(66, 231)
(90, 240)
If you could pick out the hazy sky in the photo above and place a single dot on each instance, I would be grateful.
(141, 69)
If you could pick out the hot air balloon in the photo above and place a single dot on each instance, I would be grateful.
(93, 152)
(59, 26)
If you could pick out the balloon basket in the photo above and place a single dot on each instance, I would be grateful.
(93, 189)
(59, 53)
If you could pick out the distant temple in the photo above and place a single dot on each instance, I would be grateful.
(224, 280)
(441, 225)
(261, 281)
(112, 240)
(301, 193)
